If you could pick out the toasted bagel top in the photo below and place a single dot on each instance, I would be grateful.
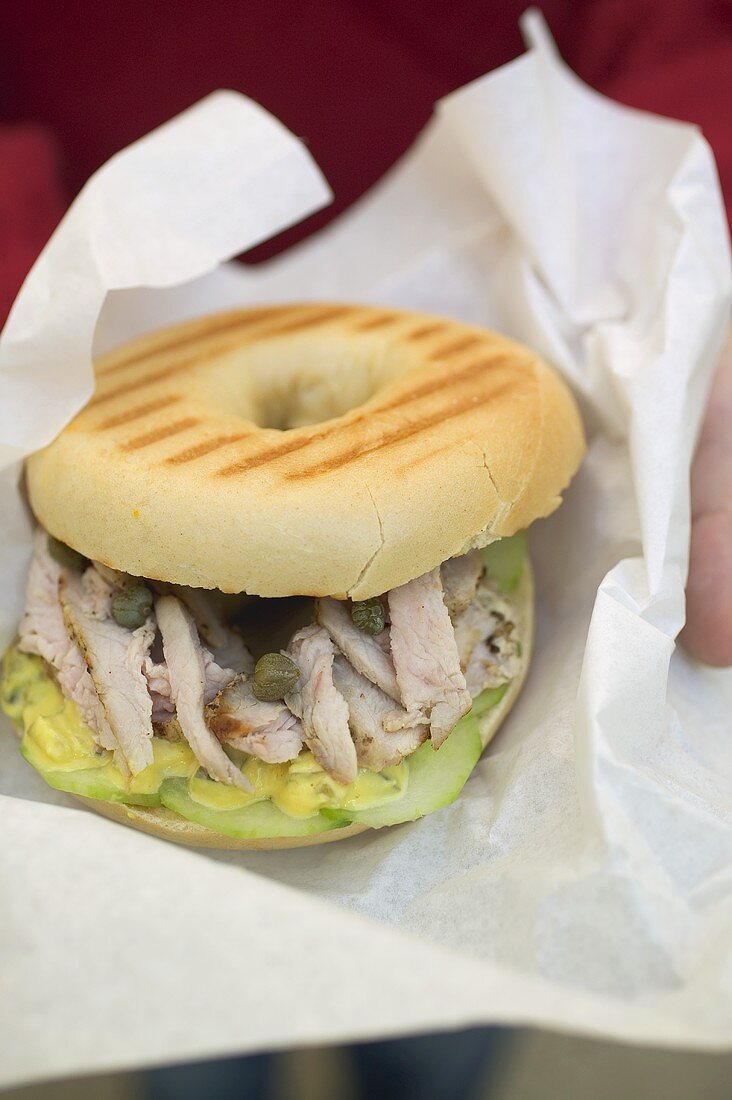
(311, 449)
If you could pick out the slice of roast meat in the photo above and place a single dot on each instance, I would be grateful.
(369, 655)
(158, 682)
(460, 577)
(486, 639)
(267, 730)
(43, 632)
(226, 645)
(217, 678)
(229, 645)
(368, 706)
(426, 657)
(184, 658)
(98, 592)
(114, 657)
(322, 708)
(102, 585)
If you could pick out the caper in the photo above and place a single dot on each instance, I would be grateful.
(65, 555)
(369, 615)
(131, 607)
(275, 675)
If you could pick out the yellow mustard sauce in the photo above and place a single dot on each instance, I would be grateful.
(301, 788)
(56, 739)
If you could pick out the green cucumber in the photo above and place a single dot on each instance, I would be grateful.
(487, 699)
(89, 784)
(504, 561)
(259, 820)
(436, 777)
(102, 783)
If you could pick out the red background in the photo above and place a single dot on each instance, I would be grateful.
(356, 80)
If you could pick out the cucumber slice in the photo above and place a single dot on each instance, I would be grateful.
(90, 784)
(436, 777)
(261, 819)
(103, 783)
(504, 561)
(487, 699)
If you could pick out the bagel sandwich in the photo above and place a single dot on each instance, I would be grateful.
(279, 591)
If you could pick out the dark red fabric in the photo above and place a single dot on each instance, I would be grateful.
(355, 78)
(30, 203)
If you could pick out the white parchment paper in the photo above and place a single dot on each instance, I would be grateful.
(583, 880)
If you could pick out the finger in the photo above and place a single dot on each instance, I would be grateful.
(708, 631)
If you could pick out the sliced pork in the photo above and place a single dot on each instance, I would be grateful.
(426, 658)
(267, 730)
(114, 657)
(226, 645)
(460, 577)
(368, 706)
(217, 677)
(369, 655)
(102, 583)
(322, 708)
(362, 699)
(158, 682)
(43, 632)
(184, 658)
(98, 592)
(486, 639)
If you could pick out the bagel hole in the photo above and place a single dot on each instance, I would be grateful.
(313, 383)
(311, 400)
(287, 385)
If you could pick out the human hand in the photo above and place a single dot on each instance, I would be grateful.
(708, 631)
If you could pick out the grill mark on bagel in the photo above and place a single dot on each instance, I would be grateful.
(457, 346)
(253, 461)
(236, 324)
(138, 411)
(158, 434)
(382, 320)
(401, 433)
(199, 450)
(138, 383)
(406, 467)
(426, 330)
(443, 384)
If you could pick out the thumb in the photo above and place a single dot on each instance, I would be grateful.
(708, 631)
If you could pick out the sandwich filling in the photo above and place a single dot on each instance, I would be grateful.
(161, 673)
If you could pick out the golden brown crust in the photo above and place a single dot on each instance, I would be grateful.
(163, 823)
(414, 436)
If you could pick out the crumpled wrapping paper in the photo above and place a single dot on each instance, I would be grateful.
(583, 880)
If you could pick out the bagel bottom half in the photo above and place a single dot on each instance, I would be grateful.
(161, 822)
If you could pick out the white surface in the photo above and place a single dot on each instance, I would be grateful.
(583, 879)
